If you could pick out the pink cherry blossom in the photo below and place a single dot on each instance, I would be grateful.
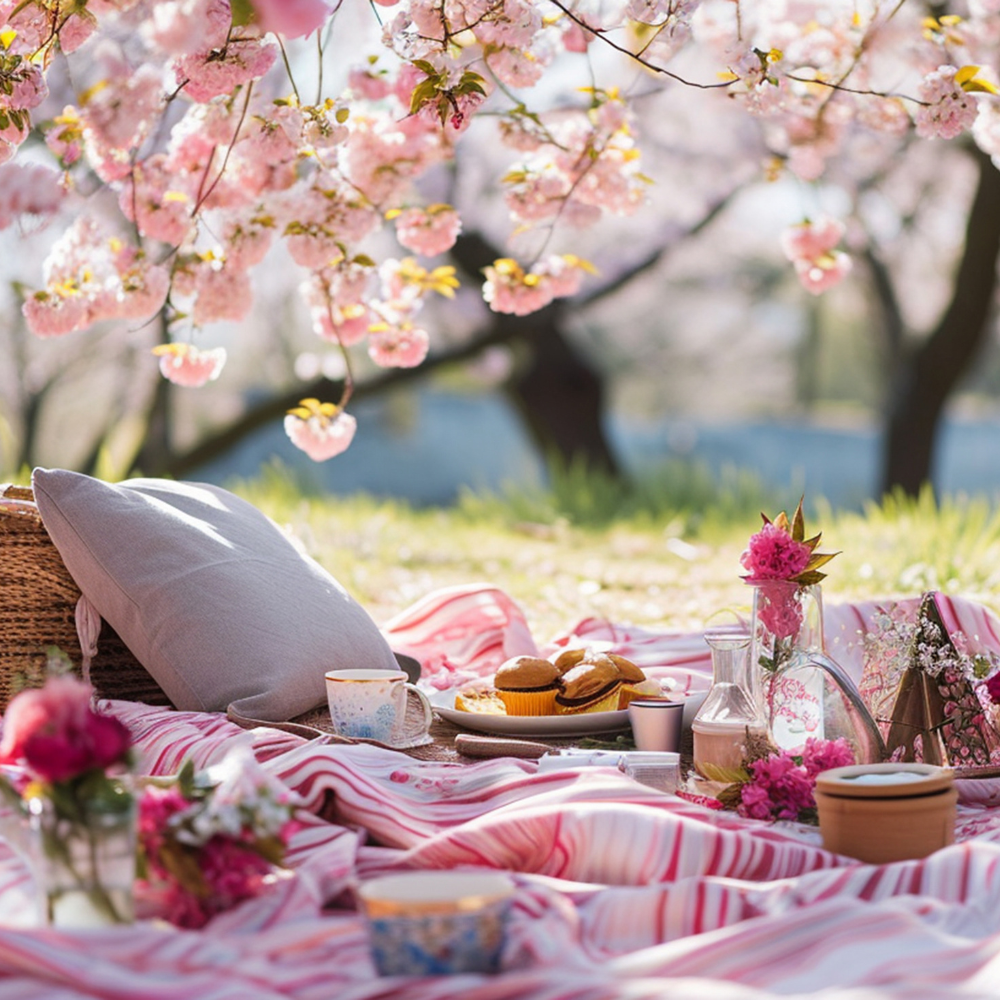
(321, 431)
(121, 112)
(180, 27)
(51, 314)
(190, 366)
(159, 202)
(291, 18)
(28, 189)
(948, 110)
(368, 84)
(64, 136)
(76, 29)
(223, 293)
(576, 38)
(812, 238)
(823, 273)
(11, 138)
(144, 286)
(209, 73)
(402, 346)
(28, 87)
(428, 231)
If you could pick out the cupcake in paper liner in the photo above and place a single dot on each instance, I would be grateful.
(634, 682)
(528, 685)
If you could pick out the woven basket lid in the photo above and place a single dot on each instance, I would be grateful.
(884, 781)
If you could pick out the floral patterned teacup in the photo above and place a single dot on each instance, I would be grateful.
(433, 923)
(371, 704)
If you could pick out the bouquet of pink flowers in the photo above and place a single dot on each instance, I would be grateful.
(780, 784)
(210, 840)
(781, 562)
(67, 755)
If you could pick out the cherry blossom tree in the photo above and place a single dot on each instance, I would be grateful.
(191, 145)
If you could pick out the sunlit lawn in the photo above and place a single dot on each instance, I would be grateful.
(566, 555)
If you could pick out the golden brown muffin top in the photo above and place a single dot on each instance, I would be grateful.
(588, 679)
(568, 659)
(523, 672)
(631, 674)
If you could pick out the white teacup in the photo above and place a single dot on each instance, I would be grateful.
(371, 704)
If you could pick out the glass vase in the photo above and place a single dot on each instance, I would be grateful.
(83, 849)
(731, 713)
(805, 692)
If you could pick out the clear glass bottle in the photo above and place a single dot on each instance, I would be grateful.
(732, 709)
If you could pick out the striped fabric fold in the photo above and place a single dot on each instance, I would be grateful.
(622, 891)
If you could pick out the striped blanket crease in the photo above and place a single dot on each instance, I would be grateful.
(622, 891)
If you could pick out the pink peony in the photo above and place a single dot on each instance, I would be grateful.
(993, 688)
(821, 755)
(56, 735)
(780, 610)
(773, 554)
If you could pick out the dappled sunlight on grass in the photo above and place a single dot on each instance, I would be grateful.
(667, 566)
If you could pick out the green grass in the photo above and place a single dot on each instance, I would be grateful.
(664, 555)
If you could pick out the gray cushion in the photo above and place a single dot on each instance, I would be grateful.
(208, 593)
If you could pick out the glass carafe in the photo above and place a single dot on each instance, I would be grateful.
(805, 692)
(732, 708)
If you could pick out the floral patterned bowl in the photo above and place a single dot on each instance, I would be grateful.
(436, 922)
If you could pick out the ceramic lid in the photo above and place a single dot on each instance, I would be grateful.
(883, 781)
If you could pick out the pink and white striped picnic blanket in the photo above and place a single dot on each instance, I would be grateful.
(623, 892)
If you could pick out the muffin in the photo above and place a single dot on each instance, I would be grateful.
(528, 685)
(568, 659)
(590, 687)
(480, 702)
(634, 683)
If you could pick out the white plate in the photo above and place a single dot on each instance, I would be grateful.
(583, 724)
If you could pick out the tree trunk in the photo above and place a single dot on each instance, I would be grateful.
(926, 375)
(558, 394)
(156, 452)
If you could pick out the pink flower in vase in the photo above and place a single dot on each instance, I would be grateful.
(779, 609)
(772, 554)
(993, 688)
(56, 734)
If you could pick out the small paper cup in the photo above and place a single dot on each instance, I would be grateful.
(656, 724)
(434, 923)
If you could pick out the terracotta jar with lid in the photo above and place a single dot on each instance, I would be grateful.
(886, 812)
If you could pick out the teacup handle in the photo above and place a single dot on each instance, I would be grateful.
(428, 711)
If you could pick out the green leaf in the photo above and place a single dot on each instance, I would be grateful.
(425, 67)
(725, 775)
(243, 12)
(799, 523)
(818, 559)
(426, 90)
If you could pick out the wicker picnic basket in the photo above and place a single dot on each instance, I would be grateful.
(38, 600)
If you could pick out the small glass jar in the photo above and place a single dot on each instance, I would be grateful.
(732, 710)
(83, 853)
